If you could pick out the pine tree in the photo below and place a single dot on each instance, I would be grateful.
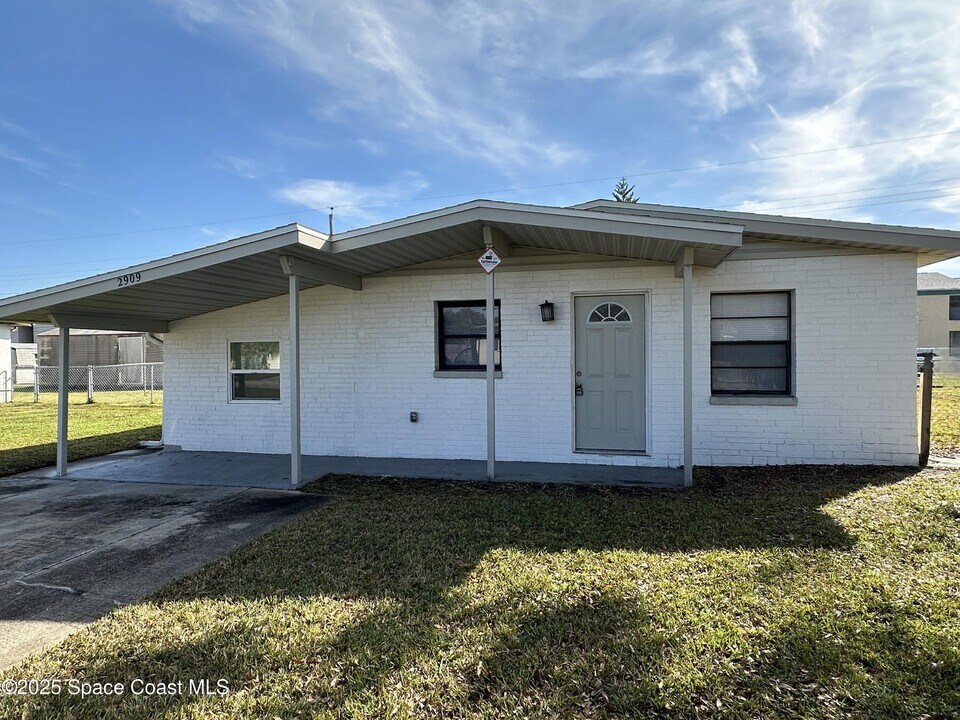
(624, 192)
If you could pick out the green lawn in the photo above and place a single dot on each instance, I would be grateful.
(765, 593)
(945, 416)
(115, 421)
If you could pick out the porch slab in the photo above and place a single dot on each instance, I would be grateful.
(183, 467)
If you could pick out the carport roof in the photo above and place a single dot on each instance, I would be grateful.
(148, 296)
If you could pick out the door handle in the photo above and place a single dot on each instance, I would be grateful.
(578, 390)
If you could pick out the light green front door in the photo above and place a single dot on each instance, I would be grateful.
(610, 402)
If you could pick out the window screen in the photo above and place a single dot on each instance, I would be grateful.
(750, 343)
(955, 307)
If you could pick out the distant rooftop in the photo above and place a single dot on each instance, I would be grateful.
(936, 281)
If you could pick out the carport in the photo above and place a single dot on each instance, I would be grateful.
(292, 258)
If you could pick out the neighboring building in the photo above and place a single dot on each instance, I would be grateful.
(938, 318)
(100, 347)
(680, 336)
(23, 352)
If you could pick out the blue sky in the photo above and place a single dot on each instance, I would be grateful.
(201, 120)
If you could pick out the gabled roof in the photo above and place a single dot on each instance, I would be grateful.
(931, 283)
(149, 296)
(931, 244)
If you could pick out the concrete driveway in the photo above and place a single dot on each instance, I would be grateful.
(72, 551)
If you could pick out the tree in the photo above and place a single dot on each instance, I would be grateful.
(624, 192)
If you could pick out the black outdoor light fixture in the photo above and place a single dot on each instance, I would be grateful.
(546, 311)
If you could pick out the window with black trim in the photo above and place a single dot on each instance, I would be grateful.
(955, 307)
(255, 371)
(462, 335)
(750, 343)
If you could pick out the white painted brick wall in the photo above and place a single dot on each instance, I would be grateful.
(368, 360)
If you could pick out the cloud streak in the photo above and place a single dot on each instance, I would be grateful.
(354, 202)
(407, 64)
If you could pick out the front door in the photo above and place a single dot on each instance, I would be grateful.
(609, 373)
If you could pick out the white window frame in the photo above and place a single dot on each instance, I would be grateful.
(230, 373)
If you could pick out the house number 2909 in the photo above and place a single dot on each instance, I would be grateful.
(128, 279)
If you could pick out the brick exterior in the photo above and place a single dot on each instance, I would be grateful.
(368, 359)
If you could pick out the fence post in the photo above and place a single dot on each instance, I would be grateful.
(89, 384)
(151, 384)
(926, 402)
(36, 382)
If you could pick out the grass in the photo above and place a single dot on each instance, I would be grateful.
(945, 415)
(115, 421)
(822, 592)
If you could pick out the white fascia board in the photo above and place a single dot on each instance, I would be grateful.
(288, 235)
(897, 236)
(481, 211)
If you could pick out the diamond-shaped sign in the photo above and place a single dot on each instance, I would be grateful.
(489, 260)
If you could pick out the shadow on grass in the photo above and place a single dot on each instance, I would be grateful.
(442, 599)
(33, 457)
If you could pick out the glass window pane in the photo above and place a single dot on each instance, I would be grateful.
(256, 386)
(609, 312)
(750, 305)
(468, 320)
(467, 352)
(750, 329)
(255, 356)
(750, 380)
(740, 356)
(955, 307)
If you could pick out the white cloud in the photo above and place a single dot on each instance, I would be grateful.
(242, 166)
(733, 83)
(874, 73)
(352, 201)
(374, 147)
(808, 22)
(437, 75)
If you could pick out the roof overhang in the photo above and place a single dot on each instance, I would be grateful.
(931, 245)
(149, 296)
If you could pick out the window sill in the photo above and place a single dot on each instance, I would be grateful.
(473, 374)
(782, 400)
(255, 401)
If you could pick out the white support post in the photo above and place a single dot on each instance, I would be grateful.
(688, 373)
(151, 383)
(294, 365)
(491, 381)
(63, 395)
(89, 384)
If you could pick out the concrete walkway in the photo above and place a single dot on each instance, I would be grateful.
(273, 471)
(70, 552)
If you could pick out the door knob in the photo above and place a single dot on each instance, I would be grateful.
(579, 390)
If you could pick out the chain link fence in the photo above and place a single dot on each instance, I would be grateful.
(119, 384)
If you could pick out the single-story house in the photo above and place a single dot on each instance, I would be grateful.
(938, 319)
(628, 334)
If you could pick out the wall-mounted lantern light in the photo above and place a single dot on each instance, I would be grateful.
(546, 312)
